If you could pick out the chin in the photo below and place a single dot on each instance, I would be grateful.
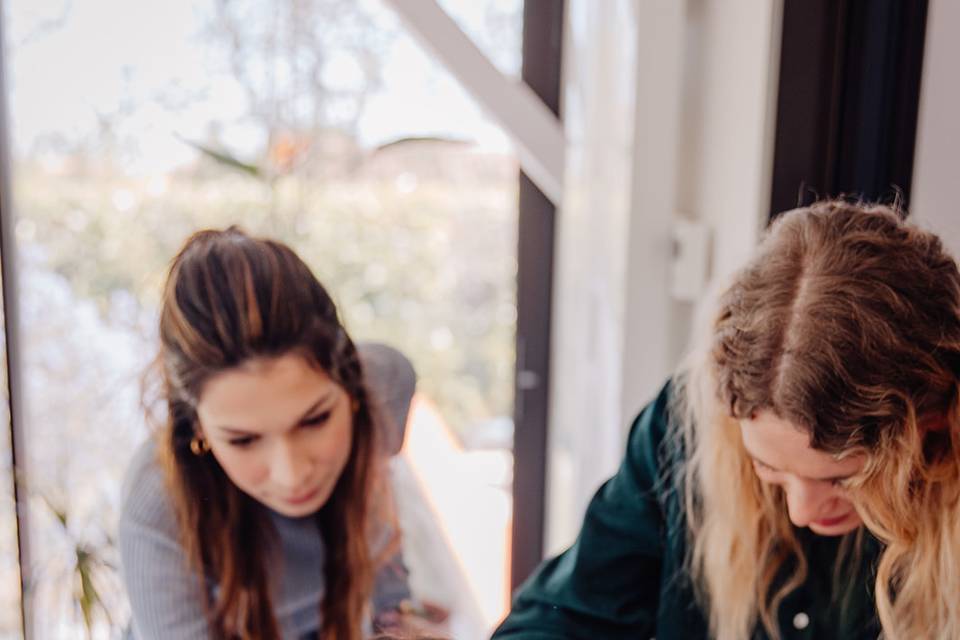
(303, 509)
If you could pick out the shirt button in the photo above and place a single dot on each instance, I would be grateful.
(801, 621)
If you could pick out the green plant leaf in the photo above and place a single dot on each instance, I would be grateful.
(225, 158)
(89, 598)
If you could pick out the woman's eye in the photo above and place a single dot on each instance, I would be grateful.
(245, 441)
(317, 420)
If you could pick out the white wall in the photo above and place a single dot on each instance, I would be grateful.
(936, 170)
(591, 256)
(668, 107)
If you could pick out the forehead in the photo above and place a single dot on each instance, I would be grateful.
(264, 394)
(786, 447)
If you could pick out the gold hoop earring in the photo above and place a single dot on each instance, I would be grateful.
(199, 445)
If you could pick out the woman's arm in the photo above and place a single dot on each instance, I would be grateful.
(607, 584)
(391, 585)
(165, 595)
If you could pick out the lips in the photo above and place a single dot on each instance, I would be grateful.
(303, 497)
(831, 522)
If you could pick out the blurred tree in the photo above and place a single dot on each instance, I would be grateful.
(307, 69)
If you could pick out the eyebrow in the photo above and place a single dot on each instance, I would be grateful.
(829, 479)
(233, 431)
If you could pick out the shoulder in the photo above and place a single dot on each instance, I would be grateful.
(166, 595)
(145, 498)
(653, 443)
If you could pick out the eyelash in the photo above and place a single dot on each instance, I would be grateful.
(312, 423)
(836, 482)
(318, 420)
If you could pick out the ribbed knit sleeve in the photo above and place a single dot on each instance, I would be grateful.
(165, 595)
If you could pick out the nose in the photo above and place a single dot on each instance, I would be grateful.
(806, 501)
(289, 468)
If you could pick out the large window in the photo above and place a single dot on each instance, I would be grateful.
(321, 123)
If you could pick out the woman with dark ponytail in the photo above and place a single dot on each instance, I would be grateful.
(260, 510)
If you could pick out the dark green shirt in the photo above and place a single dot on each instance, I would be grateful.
(624, 576)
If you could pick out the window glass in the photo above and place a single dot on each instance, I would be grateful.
(322, 123)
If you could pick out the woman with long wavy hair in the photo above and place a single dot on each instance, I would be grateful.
(799, 476)
(260, 510)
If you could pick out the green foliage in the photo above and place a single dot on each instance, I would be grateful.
(87, 565)
(430, 269)
(226, 159)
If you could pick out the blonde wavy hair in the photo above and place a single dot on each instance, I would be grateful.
(847, 324)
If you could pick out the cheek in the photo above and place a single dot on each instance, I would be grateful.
(244, 468)
(843, 499)
(331, 446)
(840, 494)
